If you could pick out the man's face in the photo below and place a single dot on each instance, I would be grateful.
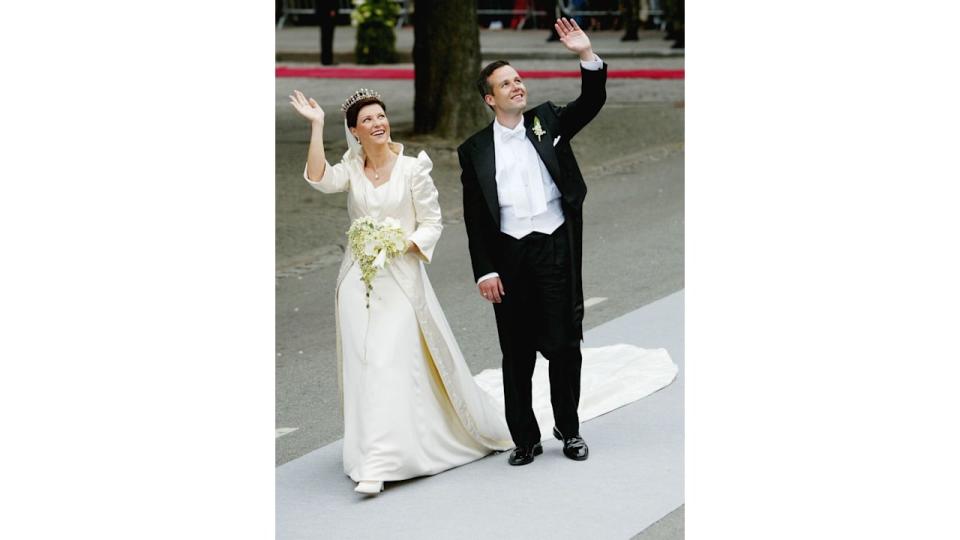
(507, 92)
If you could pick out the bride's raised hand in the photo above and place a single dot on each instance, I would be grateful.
(307, 107)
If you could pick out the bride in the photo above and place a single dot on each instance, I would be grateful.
(411, 406)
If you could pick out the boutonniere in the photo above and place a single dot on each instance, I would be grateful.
(537, 130)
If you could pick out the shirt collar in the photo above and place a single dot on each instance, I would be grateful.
(503, 131)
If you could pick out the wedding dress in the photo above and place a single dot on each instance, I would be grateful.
(411, 406)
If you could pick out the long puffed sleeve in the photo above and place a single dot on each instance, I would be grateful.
(335, 178)
(427, 207)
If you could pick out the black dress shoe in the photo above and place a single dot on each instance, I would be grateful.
(522, 455)
(574, 448)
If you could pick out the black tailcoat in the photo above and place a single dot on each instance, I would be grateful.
(481, 207)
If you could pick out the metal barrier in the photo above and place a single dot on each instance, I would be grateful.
(528, 13)
(567, 9)
(309, 7)
(295, 7)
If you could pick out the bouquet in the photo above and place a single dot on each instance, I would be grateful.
(373, 244)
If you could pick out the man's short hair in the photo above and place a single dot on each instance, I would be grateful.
(483, 85)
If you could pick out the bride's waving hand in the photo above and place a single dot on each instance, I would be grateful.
(309, 109)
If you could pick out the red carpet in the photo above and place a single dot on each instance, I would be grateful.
(406, 73)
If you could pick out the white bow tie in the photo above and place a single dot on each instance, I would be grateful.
(519, 133)
(524, 189)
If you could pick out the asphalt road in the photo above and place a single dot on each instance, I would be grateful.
(633, 161)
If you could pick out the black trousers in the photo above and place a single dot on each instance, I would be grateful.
(631, 17)
(536, 315)
(327, 13)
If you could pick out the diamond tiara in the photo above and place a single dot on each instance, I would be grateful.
(362, 93)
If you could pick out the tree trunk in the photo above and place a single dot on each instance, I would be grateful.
(446, 58)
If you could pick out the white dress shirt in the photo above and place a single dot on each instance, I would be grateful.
(529, 198)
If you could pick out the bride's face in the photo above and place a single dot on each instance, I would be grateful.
(372, 125)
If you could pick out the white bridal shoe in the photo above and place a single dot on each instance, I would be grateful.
(370, 488)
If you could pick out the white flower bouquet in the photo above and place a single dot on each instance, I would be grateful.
(374, 244)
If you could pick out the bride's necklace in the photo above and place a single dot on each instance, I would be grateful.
(376, 172)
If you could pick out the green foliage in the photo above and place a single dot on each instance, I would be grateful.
(376, 39)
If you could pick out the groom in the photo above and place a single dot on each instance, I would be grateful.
(522, 200)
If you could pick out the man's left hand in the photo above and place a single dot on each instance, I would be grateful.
(574, 39)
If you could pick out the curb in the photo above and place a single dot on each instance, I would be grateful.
(406, 57)
(362, 72)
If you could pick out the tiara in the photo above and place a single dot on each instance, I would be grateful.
(360, 94)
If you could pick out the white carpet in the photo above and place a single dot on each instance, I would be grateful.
(633, 478)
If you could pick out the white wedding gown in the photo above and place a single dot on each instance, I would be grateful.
(411, 406)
